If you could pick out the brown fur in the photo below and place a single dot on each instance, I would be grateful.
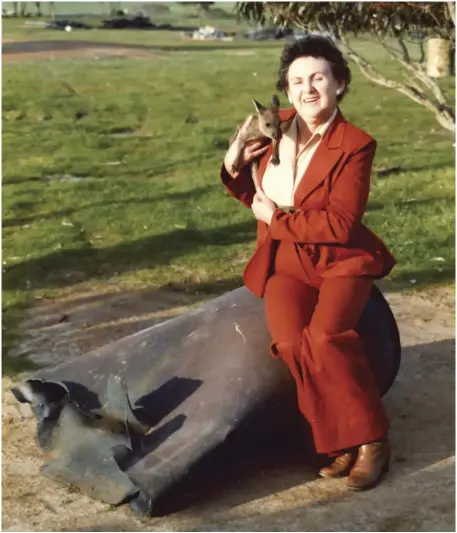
(266, 124)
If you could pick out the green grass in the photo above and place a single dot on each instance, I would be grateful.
(221, 15)
(159, 216)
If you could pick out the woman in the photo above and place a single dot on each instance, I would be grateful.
(315, 261)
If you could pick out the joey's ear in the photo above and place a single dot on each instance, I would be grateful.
(275, 101)
(258, 106)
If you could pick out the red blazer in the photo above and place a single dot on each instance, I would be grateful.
(330, 201)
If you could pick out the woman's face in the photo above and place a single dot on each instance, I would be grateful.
(312, 89)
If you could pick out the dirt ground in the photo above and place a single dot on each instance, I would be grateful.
(14, 52)
(417, 495)
(19, 51)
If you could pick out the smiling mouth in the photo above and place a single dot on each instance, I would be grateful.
(311, 100)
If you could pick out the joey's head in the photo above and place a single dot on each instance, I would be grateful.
(269, 121)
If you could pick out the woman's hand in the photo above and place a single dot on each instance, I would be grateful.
(262, 207)
(244, 152)
(251, 151)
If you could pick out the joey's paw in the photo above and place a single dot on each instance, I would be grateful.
(275, 160)
(234, 168)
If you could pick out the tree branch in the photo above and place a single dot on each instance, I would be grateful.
(451, 9)
(421, 74)
(422, 51)
(443, 114)
(404, 49)
(381, 20)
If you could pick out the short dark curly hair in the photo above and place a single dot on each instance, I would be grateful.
(314, 46)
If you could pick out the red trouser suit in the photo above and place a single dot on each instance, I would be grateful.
(315, 268)
(313, 333)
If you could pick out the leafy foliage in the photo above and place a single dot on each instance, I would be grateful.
(376, 18)
(382, 20)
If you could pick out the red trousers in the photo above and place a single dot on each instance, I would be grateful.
(311, 321)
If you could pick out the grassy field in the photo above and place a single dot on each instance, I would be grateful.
(110, 171)
(178, 14)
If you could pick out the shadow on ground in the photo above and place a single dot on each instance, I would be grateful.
(27, 47)
(24, 207)
(66, 267)
(410, 204)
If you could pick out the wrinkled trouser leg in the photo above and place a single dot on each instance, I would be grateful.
(286, 323)
(314, 333)
(289, 306)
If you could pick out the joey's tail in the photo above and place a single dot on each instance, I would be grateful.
(255, 177)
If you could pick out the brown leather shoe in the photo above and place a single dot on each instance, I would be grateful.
(340, 466)
(372, 462)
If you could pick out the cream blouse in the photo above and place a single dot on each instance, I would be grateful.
(280, 182)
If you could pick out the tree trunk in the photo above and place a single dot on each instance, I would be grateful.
(52, 10)
(439, 58)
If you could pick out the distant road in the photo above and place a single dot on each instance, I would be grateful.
(25, 47)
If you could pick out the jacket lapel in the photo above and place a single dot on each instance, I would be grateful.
(324, 159)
